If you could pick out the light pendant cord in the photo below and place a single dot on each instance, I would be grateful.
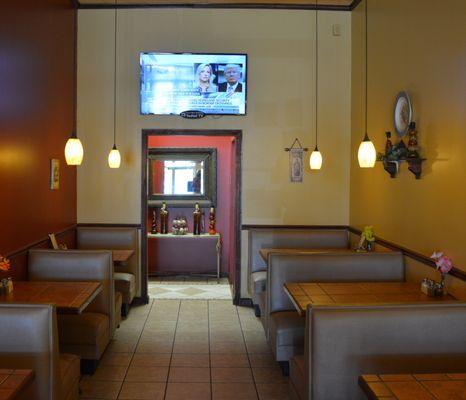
(317, 67)
(115, 78)
(365, 118)
(75, 75)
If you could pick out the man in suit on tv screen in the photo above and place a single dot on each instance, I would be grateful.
(232, 74)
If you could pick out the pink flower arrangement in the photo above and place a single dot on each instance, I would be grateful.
(443, 263)
(4, 264)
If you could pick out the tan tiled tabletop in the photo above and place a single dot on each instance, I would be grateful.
(318, 293)
(418, 386)
(12, 382)
(68, 297)
(264, 253)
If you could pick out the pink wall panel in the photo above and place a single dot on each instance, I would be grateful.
(226, 206)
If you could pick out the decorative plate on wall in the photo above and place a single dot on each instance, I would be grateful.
(403, 113)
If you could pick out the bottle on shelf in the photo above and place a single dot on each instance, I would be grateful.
(154, 222)
(413, 149)
(164, 219)
(197, 220)
(212, 221)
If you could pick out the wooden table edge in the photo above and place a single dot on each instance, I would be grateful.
(24, 383)
(79, 310)
(301, 313)
(366, 389)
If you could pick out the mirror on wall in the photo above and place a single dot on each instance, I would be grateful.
(182, 176)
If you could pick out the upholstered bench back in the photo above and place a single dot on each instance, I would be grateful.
(113, 238)
(343, 342)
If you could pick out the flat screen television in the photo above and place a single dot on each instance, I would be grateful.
(172, 83)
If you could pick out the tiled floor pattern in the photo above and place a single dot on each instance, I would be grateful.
(183, 288)
(188, 350)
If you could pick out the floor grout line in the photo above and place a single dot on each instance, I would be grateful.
(135, 348)
(247, 354)
(173, 347)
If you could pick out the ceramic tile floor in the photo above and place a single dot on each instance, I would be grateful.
(184, 288)
(188, 349)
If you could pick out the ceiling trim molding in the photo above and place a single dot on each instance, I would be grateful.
(354, 4)
(279, 6)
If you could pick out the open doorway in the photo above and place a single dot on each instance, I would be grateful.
(166, 258)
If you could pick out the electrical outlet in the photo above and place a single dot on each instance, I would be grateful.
(336, 29)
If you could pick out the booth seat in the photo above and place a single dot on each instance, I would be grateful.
(260, 238)
(283, 326)
(127, 277)
(86, 334)
(343, 342)
(29, 340)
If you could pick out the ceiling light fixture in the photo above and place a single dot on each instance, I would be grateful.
(315, 160)
(114, 158)
(366, 152)
(74, 151)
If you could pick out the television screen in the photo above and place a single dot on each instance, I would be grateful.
(211, 83)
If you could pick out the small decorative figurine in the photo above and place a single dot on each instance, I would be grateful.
(388, 143)
(212, 221)
(413, 149)
(164, 219)
(197, 220)
(154, 222)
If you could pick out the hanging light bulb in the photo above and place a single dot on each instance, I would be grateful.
(114, 158)
(315, 161)
(74, 151)
(366, 152)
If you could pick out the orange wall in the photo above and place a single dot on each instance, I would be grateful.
(36, 117)
(418, 46)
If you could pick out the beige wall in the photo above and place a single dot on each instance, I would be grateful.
(280, 48)
(418, 46)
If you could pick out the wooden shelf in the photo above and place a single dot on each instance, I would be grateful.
(414, 166)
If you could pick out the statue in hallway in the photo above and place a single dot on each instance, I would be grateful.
(164, 219)
(197, 220)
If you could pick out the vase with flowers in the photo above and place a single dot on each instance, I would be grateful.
(6, 284)
(444, 265)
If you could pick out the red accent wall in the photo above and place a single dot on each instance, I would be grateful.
(226, 181)
(36, 118)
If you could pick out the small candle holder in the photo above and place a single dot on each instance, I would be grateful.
(6, 286)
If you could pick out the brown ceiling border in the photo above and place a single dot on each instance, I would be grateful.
(276, 6)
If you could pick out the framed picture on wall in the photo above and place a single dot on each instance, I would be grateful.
(296, 165)
(54, 174)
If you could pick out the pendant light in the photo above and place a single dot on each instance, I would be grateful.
(366, 152)
(74, 151)
(315, 161)
(114, 158)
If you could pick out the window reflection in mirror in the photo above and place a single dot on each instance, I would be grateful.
(179, 177)
(182, 176)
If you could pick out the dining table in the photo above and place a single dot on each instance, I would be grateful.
(122, 256)
(302, 294)
(265, 252)
(69, 297)
(13, 382)
(438, 386)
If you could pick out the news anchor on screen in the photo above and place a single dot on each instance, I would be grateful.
(204, 79)
(232, 74)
